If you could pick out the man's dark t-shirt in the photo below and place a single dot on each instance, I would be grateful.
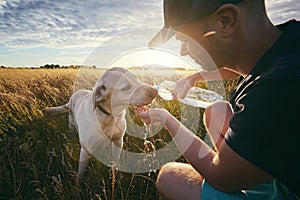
(265, 127)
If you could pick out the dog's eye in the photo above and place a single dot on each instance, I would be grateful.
(103, 88)
(127, 87)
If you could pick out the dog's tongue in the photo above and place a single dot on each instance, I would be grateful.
(140, 109)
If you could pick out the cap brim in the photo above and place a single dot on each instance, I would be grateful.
(163, 36)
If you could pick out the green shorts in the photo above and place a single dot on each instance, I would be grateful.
(273, 190)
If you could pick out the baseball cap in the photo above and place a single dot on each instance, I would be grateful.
(178, 13)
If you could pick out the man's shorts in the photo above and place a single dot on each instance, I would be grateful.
(273, 190)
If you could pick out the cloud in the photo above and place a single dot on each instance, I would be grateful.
(280, 11)
(60, 24)
(70, 27)
(69, 23)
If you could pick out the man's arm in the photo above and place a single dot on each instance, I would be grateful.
(225, 170)
(184, 84)
(220, 74)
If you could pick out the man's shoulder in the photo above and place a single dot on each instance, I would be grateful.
(290, 36)
(286, 53)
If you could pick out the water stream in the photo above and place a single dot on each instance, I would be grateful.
(150, 150)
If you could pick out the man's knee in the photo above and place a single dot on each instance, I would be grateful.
(164, 177)
(175, 180)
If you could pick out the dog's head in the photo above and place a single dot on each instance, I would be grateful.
(118, 88)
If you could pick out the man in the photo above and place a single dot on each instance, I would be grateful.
(256, 134)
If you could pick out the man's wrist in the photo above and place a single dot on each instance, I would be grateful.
(172, 124)
(195, 78)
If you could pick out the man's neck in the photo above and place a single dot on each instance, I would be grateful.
(255, 47)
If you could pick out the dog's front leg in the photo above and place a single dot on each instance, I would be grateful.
(117, 145)
(83, 161)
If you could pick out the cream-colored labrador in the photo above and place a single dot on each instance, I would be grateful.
(98, 115)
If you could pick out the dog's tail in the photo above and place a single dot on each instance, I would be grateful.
(56, 110)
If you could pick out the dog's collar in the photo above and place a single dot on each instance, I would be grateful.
(102, 109)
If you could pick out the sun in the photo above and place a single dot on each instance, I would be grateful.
(148, 57)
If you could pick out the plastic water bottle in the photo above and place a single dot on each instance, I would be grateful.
(197, 97)
(164, 89)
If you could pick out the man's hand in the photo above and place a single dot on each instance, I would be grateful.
(153, 116)
(182, 87)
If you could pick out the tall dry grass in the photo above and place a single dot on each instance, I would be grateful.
(39, 157)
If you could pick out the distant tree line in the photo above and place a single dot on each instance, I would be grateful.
(56, 66)
(52, 66)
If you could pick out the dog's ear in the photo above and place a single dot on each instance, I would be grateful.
(100, 93)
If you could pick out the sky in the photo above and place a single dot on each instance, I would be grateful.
(73, 32)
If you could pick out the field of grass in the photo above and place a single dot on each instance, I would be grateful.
(39, 157)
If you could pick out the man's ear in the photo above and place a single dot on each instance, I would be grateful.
(228, 17)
